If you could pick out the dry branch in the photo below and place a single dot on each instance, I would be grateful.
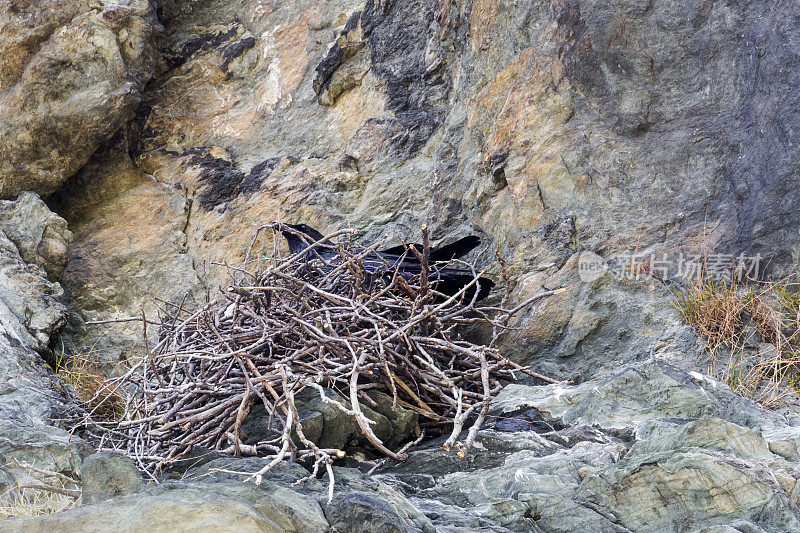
(324, 324)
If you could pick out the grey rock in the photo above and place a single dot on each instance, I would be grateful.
(646, 456)
(630, 397)
(32, 399)
(233, 507)
(30, 305)
(403, 421)
(381, 425)
(340, 430)
(578, 334)
(356, 512)
(370, 496)
(40, 235)
(358, 500)
(255, 425)
(706, 472)
(529, 488)
(426, 467)
(313, 424)
(453, 519)
(219, 470)
(737, 526)
(75, 77)
(338, 427)
(106, 475)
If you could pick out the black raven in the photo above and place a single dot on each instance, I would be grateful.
(301, 236)
(447, 280)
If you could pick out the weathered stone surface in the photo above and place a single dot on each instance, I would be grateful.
(40, 235)
(115, 269)
(404, 421)
(703, 472)
(392, 426)
(191, 507)
(362, 512)
(656, 461)
(72, 73)
(549, 129)
(358, 500)
(330, 427)
(576, 334)
(106, 475)
(31, 398)
(738, 526)
(627, 399)
(30, 305)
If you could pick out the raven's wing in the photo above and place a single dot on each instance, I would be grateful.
(400, 250)
(454, 250)
(300, 236)
(448, 281)
(386, 262)
(452, 281)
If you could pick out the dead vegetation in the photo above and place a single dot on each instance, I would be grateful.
(751, 334)
(44, 493)
(286, 324)
(33, 502)
(82, 372)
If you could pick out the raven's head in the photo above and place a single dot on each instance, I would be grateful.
(299, 236)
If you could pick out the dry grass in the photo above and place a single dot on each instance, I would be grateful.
(34, 502)
(788, 293)
(45, 492)
(714, 309)
(733, 319)
(82, 372)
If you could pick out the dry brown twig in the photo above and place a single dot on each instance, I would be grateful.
(327, 325)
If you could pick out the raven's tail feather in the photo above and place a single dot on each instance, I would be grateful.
(450, 283)
(455, 249)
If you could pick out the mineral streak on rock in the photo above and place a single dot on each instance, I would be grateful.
(234, 50)
(417, 90)
(224, 182)
(348, 44)
(209, 41)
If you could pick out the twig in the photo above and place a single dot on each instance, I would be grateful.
(334, 316)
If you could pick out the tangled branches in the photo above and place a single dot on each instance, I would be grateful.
(329, 323)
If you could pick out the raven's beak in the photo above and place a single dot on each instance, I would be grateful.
(275, 226)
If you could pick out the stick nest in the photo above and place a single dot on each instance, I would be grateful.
(286, 324)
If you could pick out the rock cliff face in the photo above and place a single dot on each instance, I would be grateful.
(548, 128)
(164, 132)
(72, 71)
(33, 403)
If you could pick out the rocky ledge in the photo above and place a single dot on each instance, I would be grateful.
(650, 448)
